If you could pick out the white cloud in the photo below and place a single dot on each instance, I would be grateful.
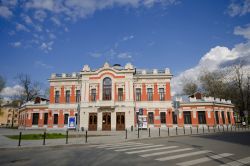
(21, 27)
(217, 58)
(56, 21)
(5, 12)
(243, 31)
(16, 44)
(11, 91)
(95, 55)
(125, 38)
(43, 65)
(52, 36)
(26, 19)
(124, 55)
(40, 15)
(46, 47)
(239, 8)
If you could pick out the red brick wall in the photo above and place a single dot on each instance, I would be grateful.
(194, 120)
(168, 91)
(156, 95)
(144, 93)
(52, 95)
(62, 95)
(73, 94)
(157, 122)
(169, 118)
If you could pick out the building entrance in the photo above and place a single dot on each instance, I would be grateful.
(106, 121)
(92, 121)
(120, 121)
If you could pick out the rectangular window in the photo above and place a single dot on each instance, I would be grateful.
(35, 118)
(187, 117)
(138, 94)
(202, 117)
(55, 119)
(78, 96)
(120, 94)
(161, 94)
(93, 94)
(66, 118)
(223, 117)
(45, 120)
(163, 117)
(57, 95)
(229, 117)
(67, 96)
(174, 116)
(150, 118)
(150, 94)
(217, 117)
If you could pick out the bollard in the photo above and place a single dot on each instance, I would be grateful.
(208, 129)
(191, 131)
(197, 130)
(218, 129)
(203, 129)
(44, 136)
(176, 131)
(149, 133)
(67, 136)
(126, 134)
(168, 131)
(214, 128)
(20, 137)
(227, 128)
(231, 128)
(138, 132)
(86, 137)
(184, 130)
(223, 128)
(159, 131)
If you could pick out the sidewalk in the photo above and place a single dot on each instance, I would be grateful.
(103, 137)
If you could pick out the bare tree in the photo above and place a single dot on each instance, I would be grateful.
(190, 88)
(30, 89)
(2, 83)
(214, 84)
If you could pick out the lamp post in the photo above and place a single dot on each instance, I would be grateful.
(78, 117)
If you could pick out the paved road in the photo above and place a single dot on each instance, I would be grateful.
(215, 149)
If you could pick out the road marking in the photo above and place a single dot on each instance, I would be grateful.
(182, 155)
(238, 162)
(204, 159)
(166, 152)
(159, 148)
(129, 146)
(118, 144)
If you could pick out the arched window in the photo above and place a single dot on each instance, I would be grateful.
(107, 89)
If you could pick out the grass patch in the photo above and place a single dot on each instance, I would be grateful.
(37, 136)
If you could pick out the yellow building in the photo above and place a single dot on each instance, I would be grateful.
(9, 115)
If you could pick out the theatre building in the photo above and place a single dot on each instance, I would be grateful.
(109, 98)
(197, 110)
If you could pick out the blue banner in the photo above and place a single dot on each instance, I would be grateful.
(72, 122)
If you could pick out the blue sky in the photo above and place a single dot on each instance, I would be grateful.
(40, 37)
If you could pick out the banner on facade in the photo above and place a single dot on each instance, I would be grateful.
(72, 122)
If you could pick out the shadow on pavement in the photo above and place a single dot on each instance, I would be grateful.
(232, 137)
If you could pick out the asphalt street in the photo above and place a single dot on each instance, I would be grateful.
(207, 150)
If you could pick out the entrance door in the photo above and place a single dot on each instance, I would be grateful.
(92, 121)
(120, 121)
(106, 121)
